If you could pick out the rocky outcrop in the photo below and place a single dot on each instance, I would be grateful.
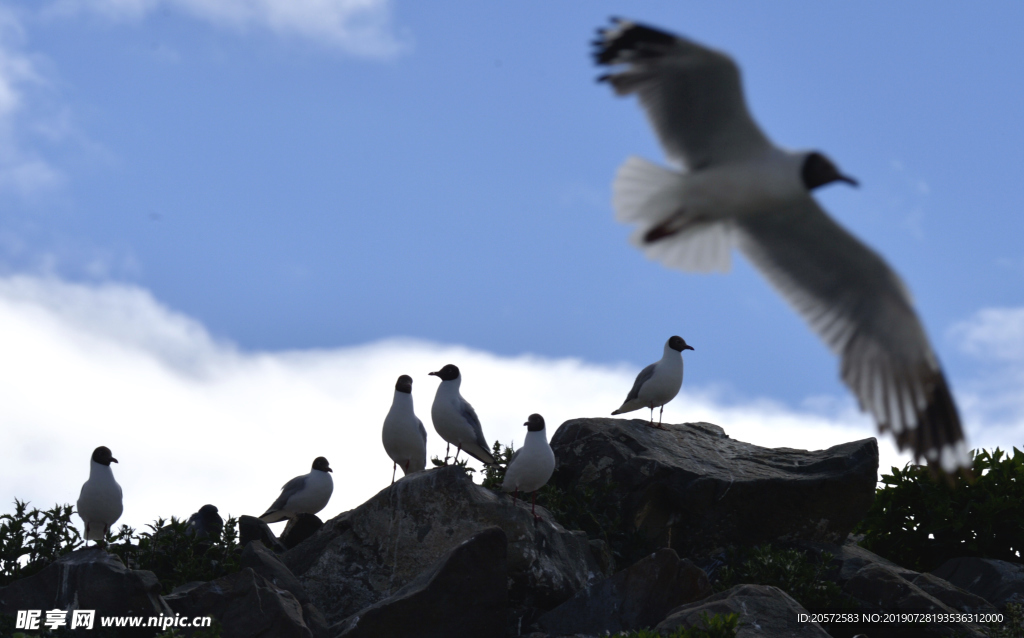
(88, 579)
(299, 529)
(465, 595)
(875, 584)
(366, 555)
(265, 563)
(251, 528)
(637, 597)
(692, 488)
(997, 581)
(247, 605)
(763, 611)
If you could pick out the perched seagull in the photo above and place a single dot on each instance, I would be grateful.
(405, 438)
(99, 503)
(306, 494)
(736, 187)
(455, 420)
(532, 465)
(205, 523)
(658, 383)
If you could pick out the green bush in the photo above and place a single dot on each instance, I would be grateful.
(32, 539)
(919, 521)
(177, 557)
(804, 578)
(715, 626)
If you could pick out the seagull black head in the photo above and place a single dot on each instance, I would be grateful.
(678, 344)
(103, 456)
(404, 384)
(819, 170)
(535, 423)
(320, 463)
(447, 373)
(208, 510)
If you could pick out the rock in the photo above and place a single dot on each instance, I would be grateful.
(997, 581)
(88, 579)
(694, 489)
(246, 605)
(465, 595)
(299, 529)
(877, 585)
(637, 597)
(265, 563)
(367, 554)
(251, 528)
(763, 610)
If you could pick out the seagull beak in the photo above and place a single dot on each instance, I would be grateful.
(687, 347)
(849, 180)
(527, 423)
(113, 460)
(433, 373)
(330, 470)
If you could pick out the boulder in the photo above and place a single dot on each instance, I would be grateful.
(997, 581)
(465, 595)
(366, 555)
(763, 610)
(251, 528)
(265, 563)
(247, 605)
(299, 529)
(692, 488)
(88, 579)
(638, 597)
(877, 585)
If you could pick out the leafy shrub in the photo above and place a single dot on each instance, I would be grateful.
(920, 522)
(32, 539)
(178, 557)
(1012, 625)
(804, 578)
(715, 626)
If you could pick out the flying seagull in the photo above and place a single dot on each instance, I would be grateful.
(99, 503)
(405, 438)
(455, 419)
(658, 383)
(306, 494)
(532, 465)
(736, 187)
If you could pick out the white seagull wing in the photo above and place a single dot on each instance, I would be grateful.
(863, 312)
(692, 94)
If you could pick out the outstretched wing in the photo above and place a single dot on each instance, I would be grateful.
(692, 94)
(862, 310)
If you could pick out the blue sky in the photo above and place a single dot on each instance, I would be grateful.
(295, 177)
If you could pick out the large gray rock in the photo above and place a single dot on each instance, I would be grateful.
(251, 528)
(997, 581)
(692, 488)
(368, 554)
(465, 595)
(877, 585)
(267, 564)
(246, 605)
(88, 579)
(764, 611)
(637, 597)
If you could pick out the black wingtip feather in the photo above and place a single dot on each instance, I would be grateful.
(637, 40)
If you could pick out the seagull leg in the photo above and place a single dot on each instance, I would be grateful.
(533, 507)
(457, 454)
(447, 450)
(393, 470)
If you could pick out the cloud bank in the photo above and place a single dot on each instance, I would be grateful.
(360, 27)
(196, 420)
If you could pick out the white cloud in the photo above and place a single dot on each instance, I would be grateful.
(362, 27)
(995, 336)
(194, 420)
(21, 170)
